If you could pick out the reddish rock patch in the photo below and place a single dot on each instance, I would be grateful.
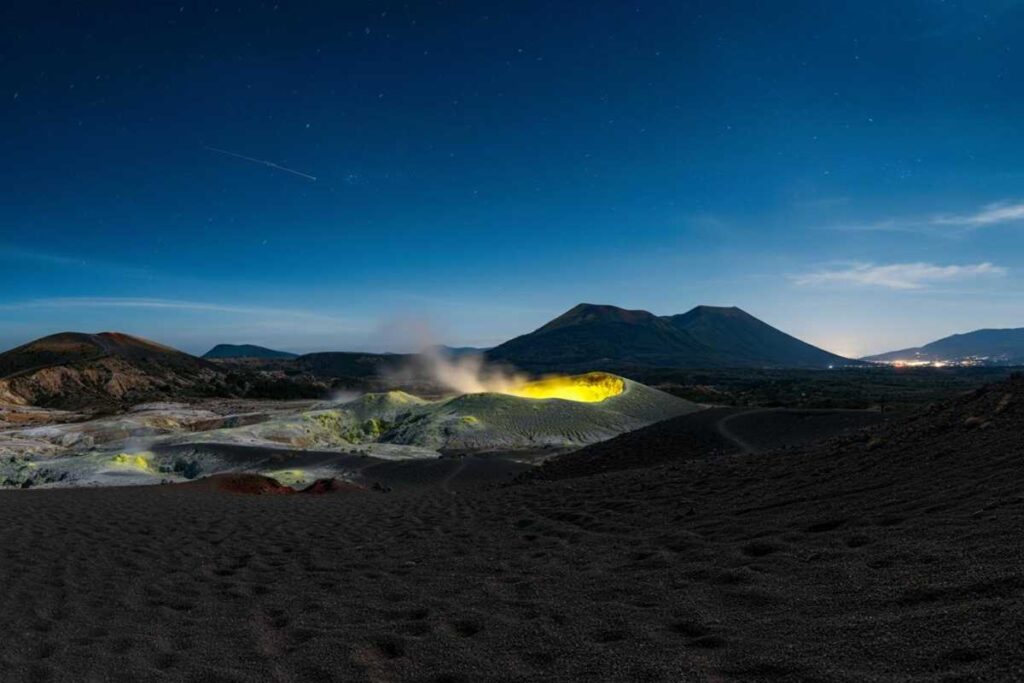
(331, 485)
(249, 484)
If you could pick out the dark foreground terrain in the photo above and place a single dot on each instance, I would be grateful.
(888, 554)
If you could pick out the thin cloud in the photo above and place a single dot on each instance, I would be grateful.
(897, 276)
(173, 304)
(16, 254)
(997, 213)
(992, 214)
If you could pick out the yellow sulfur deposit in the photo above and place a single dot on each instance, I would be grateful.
(136, 460)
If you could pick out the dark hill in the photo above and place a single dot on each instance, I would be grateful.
(582, 314)
(592, 336)
(342, 364)
(110, 371)
(75, 370)
(459, 351)
(74, 347)
(736, 333)
(998, 346)
(226, 351)
(595, 337)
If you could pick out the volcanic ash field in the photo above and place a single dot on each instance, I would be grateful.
(156, 443)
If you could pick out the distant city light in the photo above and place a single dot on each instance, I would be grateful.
(970, 361)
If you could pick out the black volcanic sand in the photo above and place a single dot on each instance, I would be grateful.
(769, 428)
(888, 555)
(707, 434)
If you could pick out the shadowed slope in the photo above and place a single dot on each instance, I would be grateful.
(737, 334)
(72, 370)
(72, 347)
(591, 337)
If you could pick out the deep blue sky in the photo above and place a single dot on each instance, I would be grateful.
(850, 171)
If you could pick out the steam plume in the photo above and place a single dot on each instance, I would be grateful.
(467, 373)
(464, 373)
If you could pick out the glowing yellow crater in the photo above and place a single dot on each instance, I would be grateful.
(589, 388)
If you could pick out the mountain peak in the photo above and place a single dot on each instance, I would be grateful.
(223, 351)
(69, 347)
(744, 338)
(74, 369)
(591, 336)
(704, 308)
(720, 311)
(599, 313)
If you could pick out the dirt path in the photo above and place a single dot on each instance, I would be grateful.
(723, 429)
(788, 426)
(446, 482)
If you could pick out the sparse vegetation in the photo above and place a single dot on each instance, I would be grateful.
(190, 469)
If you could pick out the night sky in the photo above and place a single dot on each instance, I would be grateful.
(849, 171)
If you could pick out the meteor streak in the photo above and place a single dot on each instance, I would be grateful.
(271, 164)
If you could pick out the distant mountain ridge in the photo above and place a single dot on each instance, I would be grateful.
(72, 347)
(73, 369)
(226, 351)
(112, 370)
(737, 334)
(458, 351)
(999, 346)
(593, 336)
(351, 364)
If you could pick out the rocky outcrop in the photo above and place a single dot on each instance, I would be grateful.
(107, 380)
